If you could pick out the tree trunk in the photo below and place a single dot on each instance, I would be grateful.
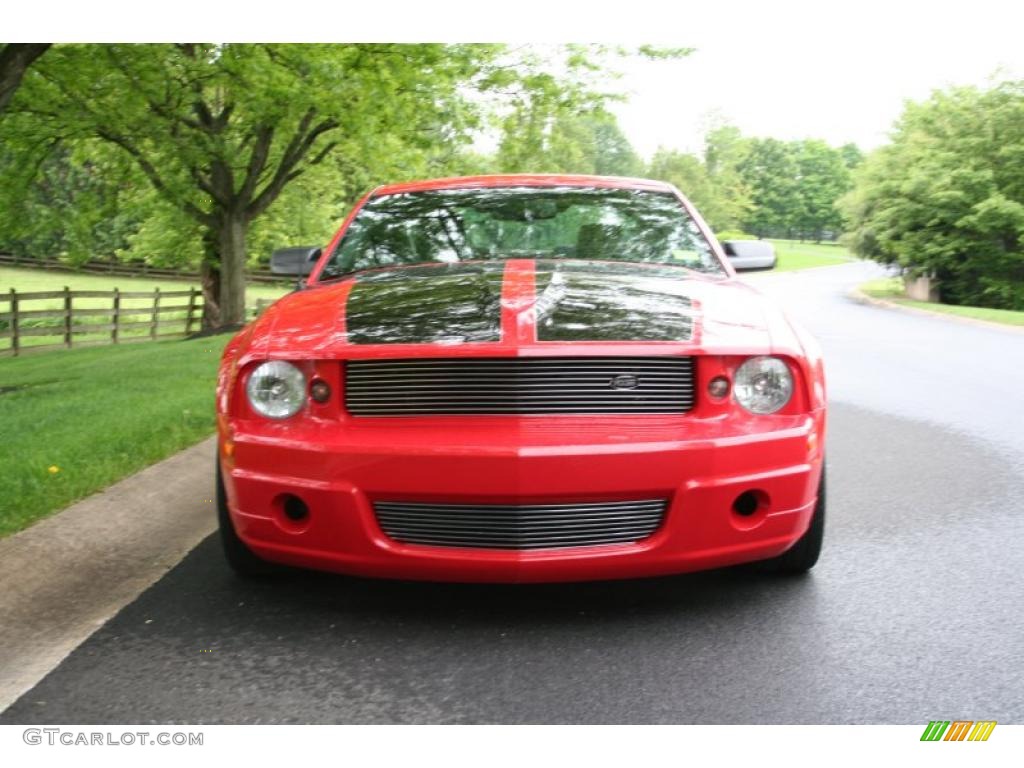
(15, 58)
(209, 272)
(223, 272)
(232, 268)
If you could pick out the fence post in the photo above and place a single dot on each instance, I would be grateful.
(14, 322)
(191, 308)
(67, 317)
(116, 317)
(156, 313)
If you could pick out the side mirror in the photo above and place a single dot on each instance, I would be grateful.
(294, 261)
(750, 254)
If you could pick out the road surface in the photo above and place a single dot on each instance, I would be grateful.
(913, 614)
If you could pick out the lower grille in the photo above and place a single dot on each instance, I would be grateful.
(519, 385)
(529, 526)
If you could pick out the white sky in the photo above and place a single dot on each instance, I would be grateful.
(833, 69)
(839, 79)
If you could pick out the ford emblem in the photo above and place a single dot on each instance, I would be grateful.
(625, 381)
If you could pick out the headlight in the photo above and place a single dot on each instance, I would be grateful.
(276, 389)
(763, 384)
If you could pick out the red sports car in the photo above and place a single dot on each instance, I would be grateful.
(520, 378)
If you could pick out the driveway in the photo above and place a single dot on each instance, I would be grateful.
(913, 614)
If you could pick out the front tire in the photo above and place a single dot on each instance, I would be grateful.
(802, 556)
(241, 559)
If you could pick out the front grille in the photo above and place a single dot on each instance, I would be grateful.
(519, 385)
(530, 526)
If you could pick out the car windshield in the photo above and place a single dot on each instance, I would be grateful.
(456, 225)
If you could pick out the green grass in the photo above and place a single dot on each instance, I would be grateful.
(891, 289)
(796, 255)
(30, 280)
(73, 422)
(21, 279)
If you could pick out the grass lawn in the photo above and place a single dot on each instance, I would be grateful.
(73, 422)
(21, 279)
(796, 255)
(29, 280)
(891, 289)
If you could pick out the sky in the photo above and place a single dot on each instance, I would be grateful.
(838, 76)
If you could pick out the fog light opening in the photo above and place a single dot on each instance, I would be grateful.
(750, 503)
(295, 509)
(320, 391)
(718, 387)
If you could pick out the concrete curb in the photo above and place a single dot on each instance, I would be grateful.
(68, 574)
(860, 297)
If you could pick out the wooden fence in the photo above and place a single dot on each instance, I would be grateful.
(129, 269)
(29, 320)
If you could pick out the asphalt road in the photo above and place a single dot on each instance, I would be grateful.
(914, 613)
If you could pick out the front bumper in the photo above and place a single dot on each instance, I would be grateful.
(699, 467)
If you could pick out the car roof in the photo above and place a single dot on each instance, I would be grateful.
(523, 180)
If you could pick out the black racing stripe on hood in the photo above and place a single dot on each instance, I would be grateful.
(426, 304)
(611, 302)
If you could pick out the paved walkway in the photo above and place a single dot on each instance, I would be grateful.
(68, 574)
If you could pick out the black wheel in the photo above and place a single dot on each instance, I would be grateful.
(802, 556)
(239, 557)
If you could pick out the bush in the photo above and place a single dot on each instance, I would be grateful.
(946, 197)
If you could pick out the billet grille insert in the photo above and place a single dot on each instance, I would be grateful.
(519, 385)
(518, 527)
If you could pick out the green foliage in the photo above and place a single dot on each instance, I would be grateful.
(823, 176)
(60, 201)
(764, 186)
(558, 123)
(15, 59)
(851, 155)
(211, 155)
(712, 183)
(734, 234)
(946, 196)
(591, 143)
(688, 174)
(724, 151)
(220, 132)
(770, 171)
(794, 186)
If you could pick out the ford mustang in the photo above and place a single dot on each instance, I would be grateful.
(520, 378)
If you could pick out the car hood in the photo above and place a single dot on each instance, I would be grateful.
(451, 305)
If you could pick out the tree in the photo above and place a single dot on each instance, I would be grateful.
(851, 155)
(946, 196)
(567, 142)
(769, 169)
(725, 148)
(564, 125)
(15, 59)
(822, 178)
(712, 182)
(688, 174)
(220, 131)
(61, 201)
